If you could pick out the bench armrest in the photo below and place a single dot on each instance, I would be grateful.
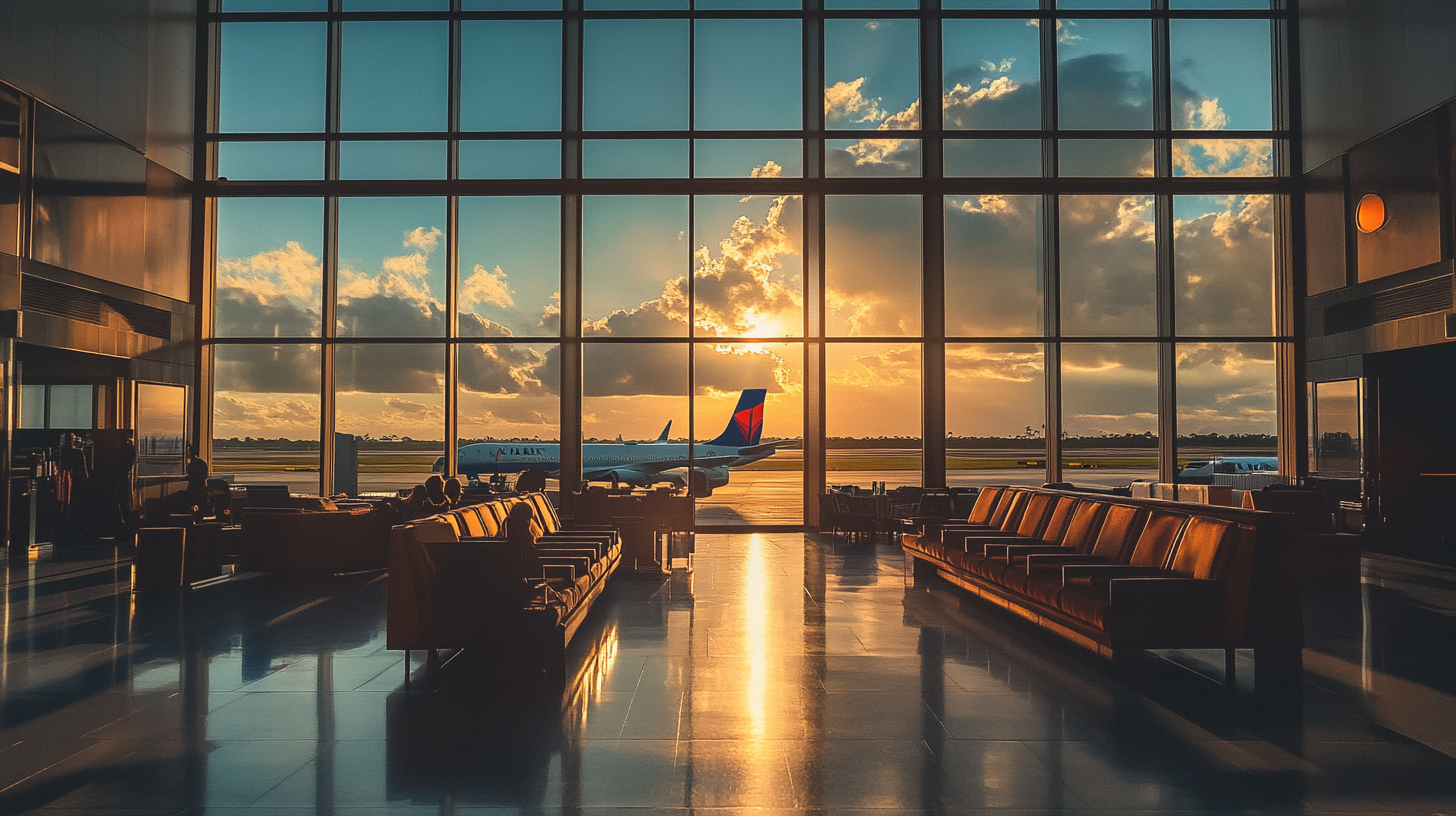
(1013, 551)
(1043, 560)
(1103, 572)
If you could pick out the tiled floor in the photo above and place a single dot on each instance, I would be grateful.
(783, 674)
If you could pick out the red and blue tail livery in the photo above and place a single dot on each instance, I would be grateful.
(746, 426)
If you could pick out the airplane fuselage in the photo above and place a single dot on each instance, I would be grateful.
(639, 463)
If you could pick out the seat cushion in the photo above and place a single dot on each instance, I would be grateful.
(1086, 602)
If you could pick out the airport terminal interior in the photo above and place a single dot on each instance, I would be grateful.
(717, 289)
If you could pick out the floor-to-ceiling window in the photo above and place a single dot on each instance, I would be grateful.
(444, 222)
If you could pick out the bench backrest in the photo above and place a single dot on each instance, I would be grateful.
(1155, 544)
(1120, 528)
(1013, 506)
(985, 504)
(1038, 511)
(1082, 531)
(1056, 526)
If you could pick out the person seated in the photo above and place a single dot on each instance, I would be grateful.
(454, 491)
(435, 499)
(523, 532)
(413, 506)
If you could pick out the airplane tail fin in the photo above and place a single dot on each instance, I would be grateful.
(663, 436)
(746, 426)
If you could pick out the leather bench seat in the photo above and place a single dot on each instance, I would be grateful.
(1114, 573)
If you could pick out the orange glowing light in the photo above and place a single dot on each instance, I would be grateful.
(1370, 213)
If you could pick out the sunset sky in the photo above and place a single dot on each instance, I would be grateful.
(745, 252)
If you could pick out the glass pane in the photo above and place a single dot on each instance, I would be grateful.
(392, 160)
(769, 489)
(275, 5)
(870, 435)
(269, 273)
(634, 265)
(635, 158)
(870, 74)
(510, 266)
(635, 5)
(993, 266)
(860, 158)
(265, 415)
(1222, 74)
(32, 406)
(1223, 268)
(748, 266)
(748, 75)
(1223, 157)
(748, 4)
(635, 75)
(995, 414)
(510, 74)
(871, 4)
(391, 267)
(992, 74)
(1227, 418)
(1103, 4)
(1109, 413)
(391, 397)
(872, 265)
(1109, 284)
(271, 77)
(631, 392)
(396, 5)
(395, 76)
(72, 406)
(990, 4)
(510, 160)
(748, 158)
(161, 429)
(1106, 157)
(508, 394)
(1335, 437)
(270, 161)
(1218, 4)
(511, 5)
(9, 174)
(1105, 74)
(993, 157)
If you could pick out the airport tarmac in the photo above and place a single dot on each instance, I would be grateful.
(751, 496)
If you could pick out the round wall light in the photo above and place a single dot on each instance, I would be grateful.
(1370, 213)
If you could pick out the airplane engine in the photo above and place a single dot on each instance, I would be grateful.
(718, 476)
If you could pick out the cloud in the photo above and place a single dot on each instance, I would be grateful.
(402, 368)
(486, 287)
(257, 369)
(879, 367)
(275, 293)
(738, 293)
(425, 240)
(1226, 388)
(508, 369)
(1224, 268)
(401, 278)
(770, 169)
(240, 414)
(1098, 91)
(1016, 364)
(844, 103)
(993, 260)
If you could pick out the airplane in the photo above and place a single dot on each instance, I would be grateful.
(641, 464)
(1237, 465)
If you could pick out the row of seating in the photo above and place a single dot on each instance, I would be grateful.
(455, 582)
(1116, 574)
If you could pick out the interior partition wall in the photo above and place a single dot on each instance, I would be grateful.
(433, 222)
